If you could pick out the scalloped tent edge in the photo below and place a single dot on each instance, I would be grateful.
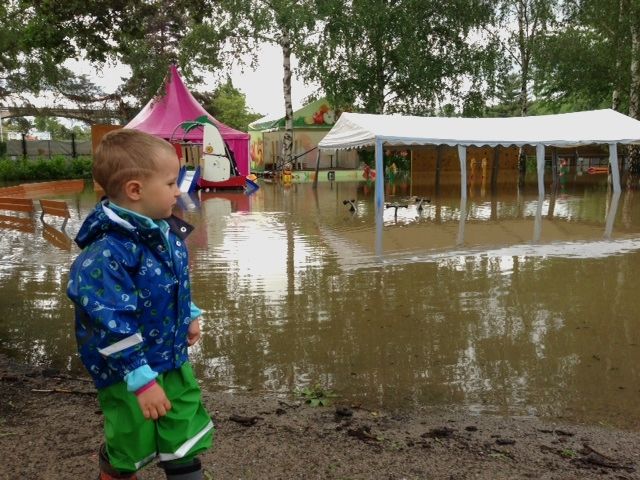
(357, 130)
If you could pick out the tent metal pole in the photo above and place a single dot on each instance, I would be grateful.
(315, 179)
(540, 165)
(615, 172)
(462, 156)
(379, 176)
(611, 214)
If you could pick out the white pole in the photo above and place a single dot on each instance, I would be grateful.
(462, 156)
(540, 165)
(379, 177)
(615, 172)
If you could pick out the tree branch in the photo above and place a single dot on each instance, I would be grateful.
(506, 47)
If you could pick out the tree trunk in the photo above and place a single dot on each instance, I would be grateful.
(524, 92)
(287, 140)
(615, 96)
(523, 45)
(634, 94)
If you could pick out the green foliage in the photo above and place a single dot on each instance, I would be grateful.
(59, 131)
(19, 124)
(579, 65)
(229, 105)
(316, 396)
(401, 158)
(507, 96)
(158, 33)
(38, 36)
(422, 57)
(56, 168)
(408, 56)
(518, 27)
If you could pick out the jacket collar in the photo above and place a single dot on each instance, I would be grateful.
(103, 218)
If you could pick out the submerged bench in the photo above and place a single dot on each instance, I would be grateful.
(17, 222)
(57, 208)
(15, 204)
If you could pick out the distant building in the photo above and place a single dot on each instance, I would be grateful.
(29, 136)
(310, 124)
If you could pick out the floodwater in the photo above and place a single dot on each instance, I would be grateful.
(507, 304)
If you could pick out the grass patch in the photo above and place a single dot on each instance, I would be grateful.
(316, 396)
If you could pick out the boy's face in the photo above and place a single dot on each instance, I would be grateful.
(158, 193)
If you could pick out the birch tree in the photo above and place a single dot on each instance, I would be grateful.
(248, 23)
(520, 26)
(634, 92)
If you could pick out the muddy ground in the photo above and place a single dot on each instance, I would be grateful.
(50, 428)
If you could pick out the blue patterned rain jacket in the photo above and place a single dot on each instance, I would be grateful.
(130, 285)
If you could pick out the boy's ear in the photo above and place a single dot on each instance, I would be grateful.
(132, 189)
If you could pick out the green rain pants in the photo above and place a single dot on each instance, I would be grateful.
(133, 441)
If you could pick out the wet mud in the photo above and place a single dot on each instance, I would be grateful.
(50, 427)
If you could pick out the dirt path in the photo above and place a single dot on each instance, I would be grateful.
(50, 426)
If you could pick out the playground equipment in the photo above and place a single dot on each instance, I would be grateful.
(215, 167)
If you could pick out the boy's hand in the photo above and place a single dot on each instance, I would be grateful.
(153, 402)
(193, 334)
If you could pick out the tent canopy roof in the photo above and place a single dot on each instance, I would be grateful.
(165, 112)
(355, 130)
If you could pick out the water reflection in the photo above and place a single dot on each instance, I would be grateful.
(56, 237)
(611, 214)
(505, 302)
(21, 224)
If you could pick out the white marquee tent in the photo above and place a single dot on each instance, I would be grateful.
(356, 130)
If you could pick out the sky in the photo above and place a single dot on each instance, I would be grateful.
(262, 86)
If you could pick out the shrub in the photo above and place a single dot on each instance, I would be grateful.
(42, 169)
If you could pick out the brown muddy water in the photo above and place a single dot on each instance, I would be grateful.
(507, 304)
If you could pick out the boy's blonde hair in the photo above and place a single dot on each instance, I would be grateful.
(124, 155)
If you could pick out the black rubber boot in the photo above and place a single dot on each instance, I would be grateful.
(183, 471)
(107, 472)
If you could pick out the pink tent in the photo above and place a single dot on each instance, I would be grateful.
(163, 114)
